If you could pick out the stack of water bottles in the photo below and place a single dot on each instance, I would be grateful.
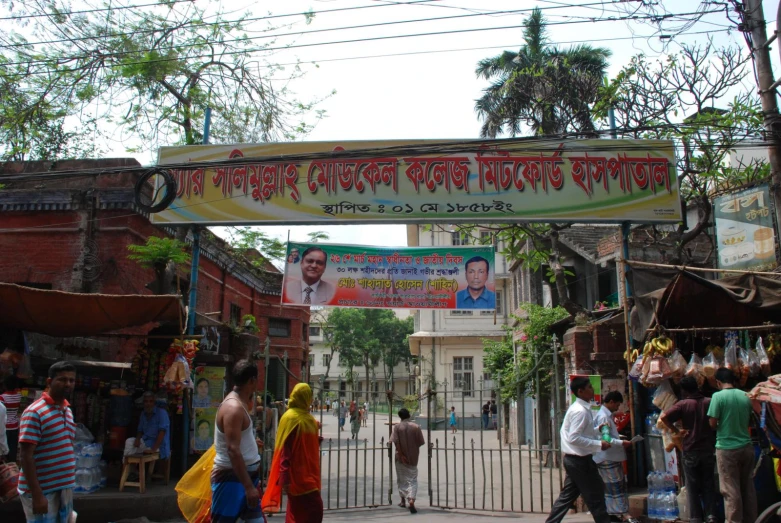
(662, 498)
(90, 470)
(650, 424)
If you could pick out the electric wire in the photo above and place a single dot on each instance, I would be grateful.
(102, 56)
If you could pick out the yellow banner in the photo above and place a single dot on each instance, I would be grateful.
(413, 181)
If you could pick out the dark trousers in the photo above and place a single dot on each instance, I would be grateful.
(583, 479)
(485, 421)
(699, 467)
(13, 444)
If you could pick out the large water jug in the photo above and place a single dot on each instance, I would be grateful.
(82, 480)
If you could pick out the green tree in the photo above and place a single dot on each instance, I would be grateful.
(541, 86)
(157, 254)
(244, 240)
(153, 72)
(518, 369)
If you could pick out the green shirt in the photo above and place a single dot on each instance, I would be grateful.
(733, 410)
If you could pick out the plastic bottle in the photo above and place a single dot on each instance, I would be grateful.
(652, 495)
(102, 469)
(82, 480)
(606, 433)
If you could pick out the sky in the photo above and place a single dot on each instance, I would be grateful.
(425, 86)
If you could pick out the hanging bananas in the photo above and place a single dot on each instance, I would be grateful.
(661, 346)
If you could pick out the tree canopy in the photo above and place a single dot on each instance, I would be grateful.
(151, 73)
(541, 86)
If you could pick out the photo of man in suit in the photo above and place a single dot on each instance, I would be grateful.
(311, 289)
(476, 295)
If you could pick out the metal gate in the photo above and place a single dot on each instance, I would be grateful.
(471, 469)
(474, 469)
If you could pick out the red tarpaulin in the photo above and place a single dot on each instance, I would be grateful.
(65, 314)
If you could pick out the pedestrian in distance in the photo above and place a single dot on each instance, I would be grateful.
(730, 414)
(486, 414)
(342, 415)
(46, 435)
(494, 415)
(295, 469)
(453, 428)
(699, 441)
(407, 438)
(236, 474)
(355, 423)
(610, 462)
(579, 442)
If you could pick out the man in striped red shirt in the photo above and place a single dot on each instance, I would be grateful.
(46, 438)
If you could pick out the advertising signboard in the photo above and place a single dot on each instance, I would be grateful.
(596, 382)
(390, 277)
(744, 230)
(423, 181)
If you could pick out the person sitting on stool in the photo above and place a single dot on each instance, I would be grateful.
(153, 433)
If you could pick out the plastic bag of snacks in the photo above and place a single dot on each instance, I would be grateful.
(709, 367)
(637, 369)
(764, 360)
(742, 370)
(694, 369)
(752, 360)
(658, 370)
(677, 365)
(664, 397)
(731, 357)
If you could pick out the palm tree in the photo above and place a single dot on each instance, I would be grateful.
(546, 88)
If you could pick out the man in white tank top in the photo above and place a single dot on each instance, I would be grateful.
(235, 477)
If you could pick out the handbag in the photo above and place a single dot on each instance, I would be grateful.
(9, 480)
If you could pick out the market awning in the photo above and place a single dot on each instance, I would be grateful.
(65, 314)
(682, 299)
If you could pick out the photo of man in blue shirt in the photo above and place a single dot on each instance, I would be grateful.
(476, 295)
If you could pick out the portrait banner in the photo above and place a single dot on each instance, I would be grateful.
(422, 182)
(390, 277)
(209, 387)
(745, 230)
(203, 438)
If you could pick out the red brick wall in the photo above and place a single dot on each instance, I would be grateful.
(46, 247)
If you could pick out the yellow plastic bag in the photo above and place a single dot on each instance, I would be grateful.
(194, 490)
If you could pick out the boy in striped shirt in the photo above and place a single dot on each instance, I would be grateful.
(46, 438)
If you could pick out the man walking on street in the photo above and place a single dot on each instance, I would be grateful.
(235, 475)
(579, 441)
(494, 415)
(730, 412)
(699, 440)
(610, 462)
(486, 414)
(408, 438)
(342, 415)
(46, 437)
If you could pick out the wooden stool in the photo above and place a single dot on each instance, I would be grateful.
(141, 460)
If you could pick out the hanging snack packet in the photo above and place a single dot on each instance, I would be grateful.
(731, 357)
(695, 369)
(764, 360)
(677, 365)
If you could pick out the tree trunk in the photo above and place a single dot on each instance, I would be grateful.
(366, 364)
(561, 278)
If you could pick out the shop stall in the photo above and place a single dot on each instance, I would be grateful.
(684, 323)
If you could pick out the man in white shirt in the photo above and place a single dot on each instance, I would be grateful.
(610, 462)
(579, 441)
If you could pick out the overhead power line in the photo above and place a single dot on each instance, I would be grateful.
(298, 33)
(64, 60)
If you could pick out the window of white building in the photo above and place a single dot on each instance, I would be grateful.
(462, 374)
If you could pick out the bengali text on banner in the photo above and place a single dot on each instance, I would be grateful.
(408, 182)
(388, 277)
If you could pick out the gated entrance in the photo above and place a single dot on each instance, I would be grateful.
(469, 469)
(472, 468)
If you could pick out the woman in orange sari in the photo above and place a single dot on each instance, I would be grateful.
(295, 468)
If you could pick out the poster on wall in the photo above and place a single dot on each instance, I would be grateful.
(745, 231)
(419, 181)
(203, 437)
(596, 382)
(390, 277)
(209, 387)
